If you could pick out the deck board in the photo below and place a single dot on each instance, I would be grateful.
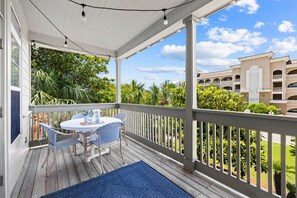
(71, 170)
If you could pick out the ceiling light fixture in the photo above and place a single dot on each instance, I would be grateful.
(83, 13)
(66, 43)
(165, 20)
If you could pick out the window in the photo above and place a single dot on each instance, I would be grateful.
(292, 85)
(15, 77)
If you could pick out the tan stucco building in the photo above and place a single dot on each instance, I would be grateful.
(260, 78)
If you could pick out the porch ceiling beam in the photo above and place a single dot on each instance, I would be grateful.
(58, 44)
(158, 31)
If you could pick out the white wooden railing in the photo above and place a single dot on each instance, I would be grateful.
(162, 128)
(55, 114)
(228, 130)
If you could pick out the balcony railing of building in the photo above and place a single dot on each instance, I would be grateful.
(277, 76)
(237, 80)
(237, 90)
(162, 128)
(277, 89)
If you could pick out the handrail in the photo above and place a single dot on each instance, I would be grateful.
(165, 111)
(263, 122)
(70, 107)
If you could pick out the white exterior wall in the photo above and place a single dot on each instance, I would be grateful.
(17, 151)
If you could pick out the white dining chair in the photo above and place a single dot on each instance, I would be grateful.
(54, 145)
(108, 136)
(122, 116)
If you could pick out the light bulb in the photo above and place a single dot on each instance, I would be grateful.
(83, 13)
(65, 43)
(165, 21)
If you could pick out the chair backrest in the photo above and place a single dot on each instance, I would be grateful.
(109, 133)
(122, 116)
(50, 133)
(77, 116)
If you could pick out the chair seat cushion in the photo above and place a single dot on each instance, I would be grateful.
(65, 143)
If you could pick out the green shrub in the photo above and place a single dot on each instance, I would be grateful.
(251, 106)
(261, 108)
(274, 109)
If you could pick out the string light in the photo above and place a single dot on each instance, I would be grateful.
(83, 14)
(66, 43)
(165, 20)
(66, 38)
(33, 44)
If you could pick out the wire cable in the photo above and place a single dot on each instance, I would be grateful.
(64, 35)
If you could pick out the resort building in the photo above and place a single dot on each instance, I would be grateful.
(260, 78)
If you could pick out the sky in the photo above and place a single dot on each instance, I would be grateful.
(249, 27)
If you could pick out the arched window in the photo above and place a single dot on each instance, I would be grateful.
(293, 97)
(201, 81)
(292, 110)
(227, 88)
(292, 85)
(207, 81)
(293, 72)
(277, 74)
(216, 81)
(227, 79)
(237, 78)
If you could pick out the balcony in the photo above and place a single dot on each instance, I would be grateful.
(277, 77)
(72, 170)
(153, 130)
(277, 89)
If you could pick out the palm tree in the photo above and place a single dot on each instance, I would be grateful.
(165, 91)
(137, 91)
(155, 94)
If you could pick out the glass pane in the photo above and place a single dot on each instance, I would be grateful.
(15, 62)
(15, 22)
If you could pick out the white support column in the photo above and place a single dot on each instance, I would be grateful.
(191, 98)
(118, 80)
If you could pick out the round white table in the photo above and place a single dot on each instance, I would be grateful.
(86, 130)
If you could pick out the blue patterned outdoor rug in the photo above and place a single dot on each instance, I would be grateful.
(135, 180)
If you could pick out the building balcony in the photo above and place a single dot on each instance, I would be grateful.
(236, 90)
(277, 89)
(154, 130)
(277, 77)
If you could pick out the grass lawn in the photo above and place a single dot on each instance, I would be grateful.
(276, 156)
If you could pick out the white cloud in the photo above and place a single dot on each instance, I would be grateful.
(223, 18)
(286, 26)
(251, 6)
(243, 36)
(259, 24)
(203, 22)
(163, 69)
(209, 53)
(151, 77)
(210, 49)
(220, 62)
(284, 46)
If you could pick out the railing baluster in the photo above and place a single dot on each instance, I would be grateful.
(269, 172)
(295, 164)
(238, 162)
(207, 143)
(37, 127)
(180, 136)
(159, 130)
(258, 162)
(248, 159)
(168, 132)
(175, 146)
(283, 166)
(221, 148)
(154, 140)
(172, 137)
(214, 145)
(229, 150)
(201, 142)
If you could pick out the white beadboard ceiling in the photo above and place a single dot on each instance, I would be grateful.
(119, 34)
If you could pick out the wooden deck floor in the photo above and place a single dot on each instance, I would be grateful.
(71, 170)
